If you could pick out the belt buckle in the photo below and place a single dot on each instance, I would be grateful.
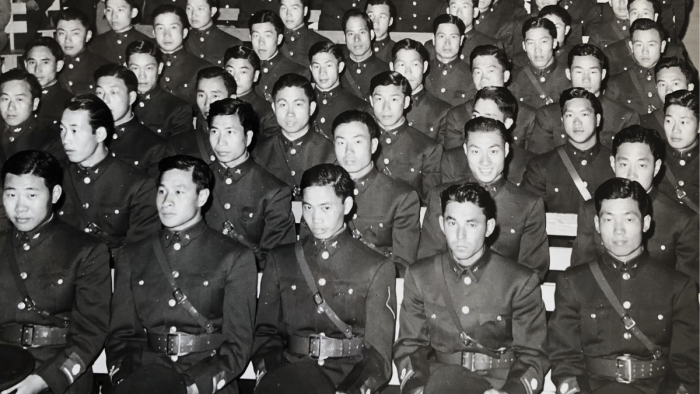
(468, 361)
(27, 337)
(174, 344)
(680, 193)
(623, 363)
(315, 346)
(628, 322)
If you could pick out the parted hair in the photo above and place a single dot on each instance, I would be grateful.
(490, 50)
(73, 14)
(469, 192)
(242, 52)
(482, 124)
(503, 98)
(201, 173)
(410, 45)
(447, 18)
(34, 162)
(22, 75)
(144, 48)
(622, 188)
(218, 72)
(243, 110)
(574, 93)
(266, 16)
(326, 47)
(643, 24)
(48, 43)
(558, 11)
(643, 135)
(99, 114)
(120, 72)
(588, 50)
(292, 80)
(671, 62)
(355, 13)
(355, 115)
(171, 9)
(389, 78)
(683, 98)
(539, 23)
(134, 4)
(329, 175)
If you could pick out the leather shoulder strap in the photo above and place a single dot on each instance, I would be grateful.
(353, 84)
(573, 173)
(680, 193)
(537, 85)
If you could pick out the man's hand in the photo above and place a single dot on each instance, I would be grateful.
(192, 389)
(32, 5)
(33, 384)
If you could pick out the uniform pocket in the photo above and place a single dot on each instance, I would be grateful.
(57, 291)
(500, 324)
(114, 219)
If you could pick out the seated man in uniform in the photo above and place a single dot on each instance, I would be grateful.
(483, 342)
(586, 69)
(654, 345)
(615, 28)
(72, 34)
(387, 211)
(496, 19)
(564, 176)
(352, 309)
(103, 195)
(298, 38)
(159, 110)
(296, 146)
(332, 99)
(43, 58)
(448, 76)
(522, 234)
(267, 33)
(672, 74)
(112, 44)
(132, 142)
(362, 64)
(382, 14)
(211, 313)
(406, 154)
(543, 78)
(60, 312)
(637, 155)
(249, 204)
(410, 59)
(170, 27)
(206, 41)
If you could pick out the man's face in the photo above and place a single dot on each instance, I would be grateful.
(539, 46)
(580, 120)
(228, 138)
(169, 32)
(448, 40)
(41, 63)
(353, 146)
(118, 14)
(358, 37)
(586, 73)
(409, 64)
(325, 70)
(265, 40)
(647, 47)
(670, 79)
(562, 28)
(621, 227)
(146, 69)
(464, 10)
(199, 13)
(244, 74)
(641, 9)
(16, 102)
(77, 137)
(381, 18)
(293, 109)
(292, 13)
(114, 93)
(324, 211)
(177, 201)
(619, 8)
(28, 200)
(487, 71)
(209, 91)
(486, 155)
(388, 103)
(466, 228)
(681, 127)
(72, 37)
(635, 162)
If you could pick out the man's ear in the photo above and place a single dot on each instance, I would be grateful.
(442, 224)
(425, 66)
(506, 76)
(56, 194)
(555, 43)
(347, 205)
(476, 13)
(597, 120)
(391, 21)
(406, 102)
(312, 108)
(256, 76)
(656, 17)
(371, 35)
(506, 149)
(568, 74)
(273, 107)
(341, 68)
(663, 46)
(132, 97)
(202, 197)
(375, 144)
(630, 45)
(134, 13)
(567, 30)
(213, 11)
(596, 223)
(647, 223)
(61, 63)
(691, 87)
(490, 226)
(280, 37)
(88, 36)
(508, 123)
(160, 68)
(524, 47)
(657, 167)
(612, 163)
(306, 11)
(603, 74)
(371, 102)
(461, 40)
(391, 66)
(185, 32)
(101, 134)
(36, 102)
(248, 137)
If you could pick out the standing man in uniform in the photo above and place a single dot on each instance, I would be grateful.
(184, 297)
(298, 38)
(362, 64)
(112, 44)
(327, 301)
(56, 303)
(382, 14)
(672, 74)
(206, 41)
(453, 305)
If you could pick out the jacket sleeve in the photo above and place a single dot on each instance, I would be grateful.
(143, 214)
(447, 170)
(279, 223)
(684, 349)
(687, 249)
(406, 231)
(450, 133)
(535, 178)
(534, 245)
(431, 171)
(89, 322)
(585, 245)
(432, 239)
(541, 139)
(180, 121)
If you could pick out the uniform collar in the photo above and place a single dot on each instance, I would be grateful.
(447, 66)
(325, 249)
(364, 183)
(271, 61)
(474, 271)
(545, 71)
(28, 239)
(419, 96)
(124, 128)
(643, 73)
(299, 142)
(151, 94)
(396, 131)
(51, 88)
(183, 237)
(295, 33)
(689, 154)
(224, 173)
(91, 174)
(77, 58)
(352, 63)
(494, 187)
(171, 58)
(632, 266)
(24, 127)
(589, 154)
(202, 33)
(328, 95)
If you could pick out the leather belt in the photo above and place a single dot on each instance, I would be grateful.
(322, 347)
(32, 335)
(626, 369)
(180, 344)
(476, 361)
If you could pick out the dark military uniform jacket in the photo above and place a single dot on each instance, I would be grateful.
(548, 131)
(77, 73)
(163, 113)
(139, 146)
(516, 321)
(332, 13)
(256, 204)
(262, 108)
(382, 49)
(547, 177)
(574, 37)
(356, 282)
(112, 45)
(296, 44)
(455, 167)
(450, 82)
(53, 100)
(583, 12)
(685, 169)
(621, 59)
(116, 197)
(410, 156)
(30, 135)
(357, 76)
(498, 22)
(218, 277)
(272, 69)
(179, 76)
(210, 44)
(672, 238)
(538, 88)
(472, 39)
(635, 88)
(426, 113)
(662, 302)
(416, 16)
(332, 103)
(608, 32)
(66, 273)
(195, 142)
(520, 220)
(654, 120)
(250, 7)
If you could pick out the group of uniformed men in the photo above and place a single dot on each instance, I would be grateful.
(175, 161)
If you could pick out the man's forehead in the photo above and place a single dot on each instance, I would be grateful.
(41, 52)
(167, 18)
(628, 149)
(670, 73)
(70, 25)
(537, 32)
(263, 27)
(15, 86)
(646, 35)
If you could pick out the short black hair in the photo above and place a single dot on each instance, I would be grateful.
(202, 175)
(588, 50)
(34, 162)
(557, 11)
(503, 98)
(48, 43)
(326, 47)
(683, 98)
(451, 19)
(73, 14)
(17, 74)
(120, 72)
(389, 3)
(242, 52)
(482, 124)
(212, 3)
(218, 72)
(643, 24)
(621, 188)
(355, 13)
(171, 9)
(539, 23)
(469, 192)
(99, 114)
(134, 4)
(637, 133)
(576, 93)
(654, 4)
(410, 45)
(671, 62)
(266, 16)
(490, 50)
(355, 115)
(390, 78)
(144, 48)
(292, 80)
(329, 175)
(243, 110)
